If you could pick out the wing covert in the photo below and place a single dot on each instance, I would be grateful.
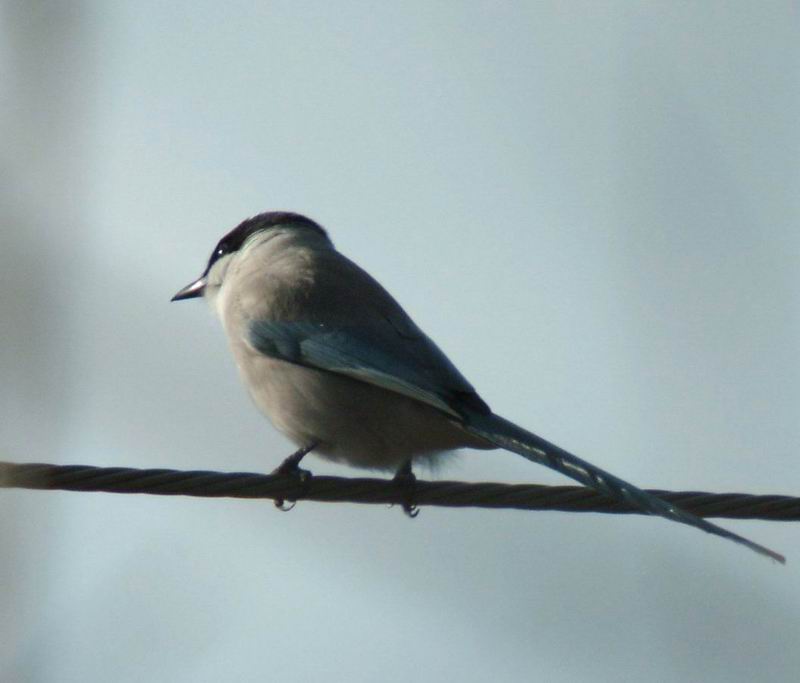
(378, 354)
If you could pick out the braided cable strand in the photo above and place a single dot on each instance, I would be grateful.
(383, 491)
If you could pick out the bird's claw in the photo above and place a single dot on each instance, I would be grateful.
(290, 468)
(405, 479)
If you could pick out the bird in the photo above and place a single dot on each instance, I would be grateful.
(339, 367)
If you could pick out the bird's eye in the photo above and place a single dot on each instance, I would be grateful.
(219, 252)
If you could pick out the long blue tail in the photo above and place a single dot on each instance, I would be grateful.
(509, 436)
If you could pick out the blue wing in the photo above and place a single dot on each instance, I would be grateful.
(400, 360)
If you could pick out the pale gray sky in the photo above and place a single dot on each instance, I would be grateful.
(591, 206)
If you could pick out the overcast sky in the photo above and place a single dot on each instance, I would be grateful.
(592, 207)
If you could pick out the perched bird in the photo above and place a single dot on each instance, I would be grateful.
(341, 369)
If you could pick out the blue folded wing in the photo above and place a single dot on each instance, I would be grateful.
(378, 354)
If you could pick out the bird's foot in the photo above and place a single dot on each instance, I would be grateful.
(405, 479)
(291, 468)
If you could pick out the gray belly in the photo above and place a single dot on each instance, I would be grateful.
(351, 421)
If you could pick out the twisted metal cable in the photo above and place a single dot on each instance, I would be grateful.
(384, 491)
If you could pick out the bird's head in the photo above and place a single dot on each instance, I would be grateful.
(235, 243)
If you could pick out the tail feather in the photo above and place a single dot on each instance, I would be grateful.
(509, 436)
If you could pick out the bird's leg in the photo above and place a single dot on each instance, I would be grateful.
(292, 464)
(291, 467)
(405, 479)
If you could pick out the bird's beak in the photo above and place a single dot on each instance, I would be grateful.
(191, 291)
